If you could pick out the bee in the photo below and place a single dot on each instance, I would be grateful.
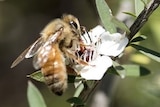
(58, 40)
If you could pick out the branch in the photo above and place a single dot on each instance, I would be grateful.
(87, 93)
(143, 17)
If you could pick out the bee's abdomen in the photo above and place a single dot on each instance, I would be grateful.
(56, 79)
(54, 71)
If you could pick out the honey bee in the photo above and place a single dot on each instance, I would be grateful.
(59, 40)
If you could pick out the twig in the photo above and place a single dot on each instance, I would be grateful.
(87, 92)
(143, 17)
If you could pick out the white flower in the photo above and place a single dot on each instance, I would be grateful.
(100, 44)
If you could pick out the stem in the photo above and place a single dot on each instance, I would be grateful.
(143, 17)
(87, 92)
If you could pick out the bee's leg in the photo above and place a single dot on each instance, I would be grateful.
(75, 58)
(71, 71)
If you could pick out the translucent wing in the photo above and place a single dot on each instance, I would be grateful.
(29, 52)
(47, 48)
(34, 48)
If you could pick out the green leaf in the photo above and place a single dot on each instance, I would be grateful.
(112, 70)
(35, 98)
(79, 89)
(131, 14)
(105, 15)
(138, 39)
(75, 101)
(120, 25)
(128, 70)
(120, 70)
(135, 70)
(139, 6)
(90, 84)
(148, 52)
(38, 76)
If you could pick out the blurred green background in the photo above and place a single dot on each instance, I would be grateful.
(20, 24)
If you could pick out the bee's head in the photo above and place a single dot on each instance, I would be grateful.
(72, 21)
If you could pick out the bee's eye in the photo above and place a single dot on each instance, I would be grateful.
(74, 24)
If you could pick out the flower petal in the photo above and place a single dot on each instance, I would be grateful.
(112, 44)
(96, 32)
(93, 35)
(96, 69)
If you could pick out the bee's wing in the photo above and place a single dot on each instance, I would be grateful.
(29, 52)
(43, 54)
(34, 48)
